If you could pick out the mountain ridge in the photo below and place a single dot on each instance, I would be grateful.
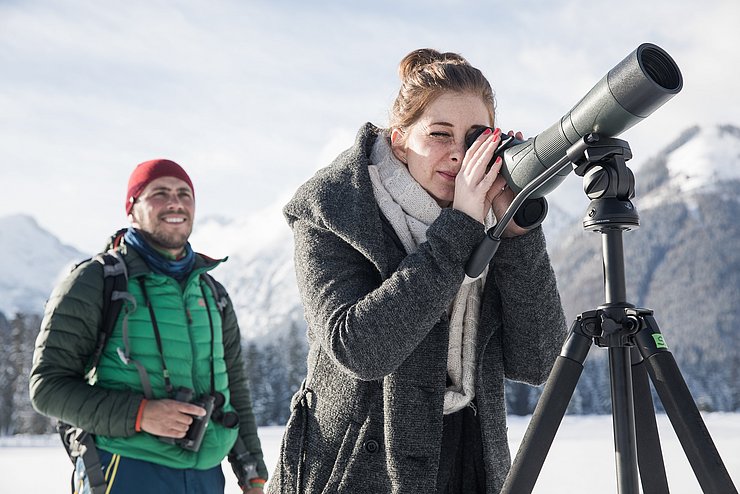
(32, 261)
(682, 263)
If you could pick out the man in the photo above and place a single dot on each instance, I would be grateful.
(171, 356)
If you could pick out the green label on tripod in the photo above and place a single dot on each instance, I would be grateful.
(659, 340)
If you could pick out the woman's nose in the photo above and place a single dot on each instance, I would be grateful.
(457, 152)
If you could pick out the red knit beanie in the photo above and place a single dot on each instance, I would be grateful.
(145, 172)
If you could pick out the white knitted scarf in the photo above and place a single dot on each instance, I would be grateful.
(410, 210)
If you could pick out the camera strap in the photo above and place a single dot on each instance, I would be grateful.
(213, 348)
(157, 336)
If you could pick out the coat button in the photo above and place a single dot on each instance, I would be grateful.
(371, 446)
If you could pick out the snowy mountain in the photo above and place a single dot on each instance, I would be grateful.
(694, 178)
(702, 161)
(258, 273)
(31, 262)
(683, 262)
(700, 166)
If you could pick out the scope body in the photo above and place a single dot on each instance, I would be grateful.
(626, 95)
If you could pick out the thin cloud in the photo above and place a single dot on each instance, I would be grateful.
(252, 97)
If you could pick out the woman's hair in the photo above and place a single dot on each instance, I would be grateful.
(425, 74)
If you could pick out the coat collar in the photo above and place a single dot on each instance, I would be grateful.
(340, 198)
(138, 267)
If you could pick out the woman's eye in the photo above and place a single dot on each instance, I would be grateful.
(440, 134)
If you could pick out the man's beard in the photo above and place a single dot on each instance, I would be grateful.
(163, 240)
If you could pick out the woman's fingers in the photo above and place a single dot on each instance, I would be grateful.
(478, 152)
(480, 156)
(474, 189)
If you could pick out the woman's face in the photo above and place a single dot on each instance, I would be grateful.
(434, 146)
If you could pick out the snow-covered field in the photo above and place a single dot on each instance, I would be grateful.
(581, 459)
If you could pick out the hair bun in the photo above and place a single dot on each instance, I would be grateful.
(417, 60)
(425, 74)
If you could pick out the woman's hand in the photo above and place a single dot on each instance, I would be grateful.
(477, 191)
(473, 185)
(500, 196)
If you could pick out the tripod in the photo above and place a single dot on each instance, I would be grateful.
(636, 348)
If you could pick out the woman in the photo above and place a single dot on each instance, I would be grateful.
(407, 358)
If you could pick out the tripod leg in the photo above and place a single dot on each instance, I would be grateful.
(682, 411)
(548, 414)
(623, 417)
(649, 452)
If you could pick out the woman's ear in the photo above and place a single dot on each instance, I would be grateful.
(398, 145)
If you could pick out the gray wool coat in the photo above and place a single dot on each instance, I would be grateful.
(368, 418)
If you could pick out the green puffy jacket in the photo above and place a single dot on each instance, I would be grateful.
(107, 406)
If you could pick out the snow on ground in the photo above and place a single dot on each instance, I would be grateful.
(581, 459)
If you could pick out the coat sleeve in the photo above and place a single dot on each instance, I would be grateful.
(64, 346)
(239, 388)
(368, 325)
(532, 315)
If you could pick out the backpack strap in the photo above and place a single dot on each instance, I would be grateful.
(78, 443)
(115, 293)
(219, 293)
(81, 445)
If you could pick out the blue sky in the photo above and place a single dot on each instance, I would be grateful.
(251, 97)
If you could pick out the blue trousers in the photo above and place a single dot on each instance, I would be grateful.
(128, 476)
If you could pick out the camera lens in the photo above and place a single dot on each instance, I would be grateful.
(230, 420)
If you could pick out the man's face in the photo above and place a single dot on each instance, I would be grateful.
(164, 213)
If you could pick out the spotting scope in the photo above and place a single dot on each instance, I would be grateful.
(626, 95)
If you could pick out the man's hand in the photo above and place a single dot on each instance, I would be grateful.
(169, 418)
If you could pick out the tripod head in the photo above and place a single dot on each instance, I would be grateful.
(606, 181)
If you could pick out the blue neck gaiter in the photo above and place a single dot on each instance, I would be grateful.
(178, 269)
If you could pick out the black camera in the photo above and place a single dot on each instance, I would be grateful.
(194, 437)
(532, 212)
